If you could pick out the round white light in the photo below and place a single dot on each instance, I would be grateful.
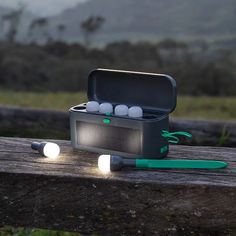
(121, 110)
(51, 150)
(105, 108)
(104, 163)
(92, 106)
(135, 112)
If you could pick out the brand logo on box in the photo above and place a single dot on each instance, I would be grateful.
(164, 149)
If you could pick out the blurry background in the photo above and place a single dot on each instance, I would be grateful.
(48, 48)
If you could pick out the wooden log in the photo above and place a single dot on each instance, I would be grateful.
(71, 194)
(206, 132)
(18, 121)
(15, 121)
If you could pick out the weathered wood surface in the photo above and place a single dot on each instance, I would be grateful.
(71, 194)
(18, 121)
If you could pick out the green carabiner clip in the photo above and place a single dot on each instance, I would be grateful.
(171, 136)
(173, 139)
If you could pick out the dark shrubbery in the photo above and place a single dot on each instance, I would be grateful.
(64, 67)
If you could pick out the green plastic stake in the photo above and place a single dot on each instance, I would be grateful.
(183, 164)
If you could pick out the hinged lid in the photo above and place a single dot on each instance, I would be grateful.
(155, 92)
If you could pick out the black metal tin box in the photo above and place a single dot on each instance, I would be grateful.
(125, 136)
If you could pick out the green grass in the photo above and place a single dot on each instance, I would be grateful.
(9, 231)
(217, 108)
(57, 101)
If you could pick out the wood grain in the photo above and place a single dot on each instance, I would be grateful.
(71, 194)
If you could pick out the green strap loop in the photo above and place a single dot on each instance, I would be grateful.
(172, 136)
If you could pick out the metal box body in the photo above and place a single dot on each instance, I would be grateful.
(125, 136)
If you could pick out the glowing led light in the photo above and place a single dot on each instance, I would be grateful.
(104, 163)
(51, 150)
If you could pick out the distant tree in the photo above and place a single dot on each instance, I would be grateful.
(172, 45)
(1, 28)
(61, 29)
(90, 26)
(13, 19)
(39, 26)
(204, 46)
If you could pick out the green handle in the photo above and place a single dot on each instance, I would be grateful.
(185, 164)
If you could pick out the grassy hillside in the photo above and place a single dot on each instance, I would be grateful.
(188, 107)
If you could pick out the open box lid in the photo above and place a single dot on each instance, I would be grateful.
(155, 92)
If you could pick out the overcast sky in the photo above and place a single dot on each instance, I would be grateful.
(43, 7)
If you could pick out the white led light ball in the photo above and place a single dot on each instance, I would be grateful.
(92, 106)
(105, 108)
(51, 150)
(104, 163)
(135, 112)
(121, 110)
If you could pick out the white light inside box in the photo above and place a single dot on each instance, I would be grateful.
(92, 106)
(121, 110)
(105, 108)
